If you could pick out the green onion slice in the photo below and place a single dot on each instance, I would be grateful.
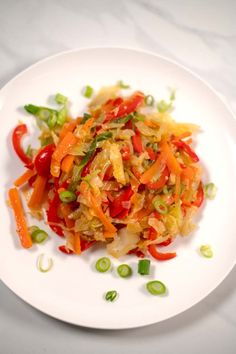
(85, 117)
(111, 295)
(160, 206)
(122, 85)
(149, 100)
(163, 106)
(40, 262)
(87, 91)
(124, 271)
(67, 196)
(156, 287)
(38, 236)
(206, 251)
(144, 266)
(61, 99)
(210, 190)
(33, 228)
(103, 264)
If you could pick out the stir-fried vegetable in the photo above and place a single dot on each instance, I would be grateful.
(123, 174)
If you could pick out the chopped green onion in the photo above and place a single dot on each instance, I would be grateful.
(103, 264)
(61, 99)
(140, 117)
(124, 119)
(38, 236)
(160, 206)
(149, 100)
(86, 117)
(122, 85)
(29, 151)
(210, 190)
(111, 295)
(40, 262)
(87, 91)
(163, 106)
(172, 94)
(206, 251)
(124, 271)
(52, 121)
(61, 116)
(42, 113)
(67, 196)
(33, 228)
(144, 266)
(156, 287)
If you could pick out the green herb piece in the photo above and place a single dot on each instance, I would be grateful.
(144, 266)
(156, 287)
(111, 295)
(124, 271)
(103, 264)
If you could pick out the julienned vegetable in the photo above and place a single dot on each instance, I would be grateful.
(156, 287)
(116, 175)
(103, 264)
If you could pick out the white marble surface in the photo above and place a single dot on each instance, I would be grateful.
(200, 34)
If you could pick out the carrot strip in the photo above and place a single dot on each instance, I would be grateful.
(68, 127)
(172, 163)
(150, 173)
(150, 124)
(77, 243)
(24, 178)
(177, 188)
(183, 135)
(67, 210)
(38, 192)
(21, 224)
(67, 163)
(64, 146)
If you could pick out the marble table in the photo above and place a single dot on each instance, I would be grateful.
(199, 34)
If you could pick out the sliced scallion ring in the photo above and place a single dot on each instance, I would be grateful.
(122, 85)
(206, 251)
(61, 99)
(149, 100)
(33, 228)
(160, 206)
(111, 295)
(124, 271)
(67, 196)
(210, 190)
(156, 287)
(40, 265)
(103, 264)
(38, 236)
(144, 266)
(87, 91)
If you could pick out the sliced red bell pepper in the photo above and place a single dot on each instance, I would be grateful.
(116, 206)
(128, 106)
(65, 249)
(17, 135)
(43, 159)
(199, 197)
(137, 142)
(52, 215)
(125, 152)
(158, 255)
(111, 104)
(152, 234)
(165, 243)
(86, 244)
(187, 149)
(161, 182)
(108, 174)
(137, 252)
(151, 153)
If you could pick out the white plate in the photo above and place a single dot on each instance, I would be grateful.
(72, 291)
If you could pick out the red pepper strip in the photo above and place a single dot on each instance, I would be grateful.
(123, 214)
(108, 174)
(111, 104)
(17, 135)
(128, 106)
(186, 148)
(151, 153)
(52, 215)
(116, 206)
(137, 142)
(86, 244)
(43, 160)
(165, 243)
(137, 252)
(65, 249)
(125, 152)
(158, 255)
(200, 196)
(160, 183)
(152, 235)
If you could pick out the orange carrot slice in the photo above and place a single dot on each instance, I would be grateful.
(38, 192)
(24, 178)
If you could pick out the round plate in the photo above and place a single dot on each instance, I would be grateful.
(73, 291)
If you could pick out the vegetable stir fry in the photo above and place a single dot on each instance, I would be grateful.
(124, 174)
